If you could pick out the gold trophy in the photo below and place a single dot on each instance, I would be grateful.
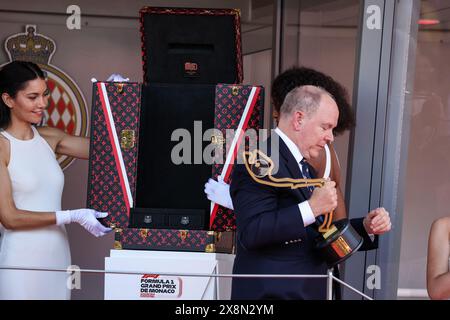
(337, 241)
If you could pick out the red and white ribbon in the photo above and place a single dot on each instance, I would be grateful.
(232, 153)
(117, 151)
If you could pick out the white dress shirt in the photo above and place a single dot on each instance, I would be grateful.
(304, 207)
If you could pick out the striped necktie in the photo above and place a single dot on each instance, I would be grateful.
(306, 172)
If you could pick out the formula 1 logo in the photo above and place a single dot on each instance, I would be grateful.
(157, 286)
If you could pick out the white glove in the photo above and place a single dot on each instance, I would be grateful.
(87, 218)
(115, 77)
(219, 192)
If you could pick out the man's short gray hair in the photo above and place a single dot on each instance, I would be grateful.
(303, 98)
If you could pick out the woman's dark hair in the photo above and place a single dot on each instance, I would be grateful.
(301, 76)
(13, 78)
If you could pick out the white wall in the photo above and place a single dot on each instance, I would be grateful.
(257, 71)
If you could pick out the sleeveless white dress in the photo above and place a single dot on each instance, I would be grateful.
(37, 185)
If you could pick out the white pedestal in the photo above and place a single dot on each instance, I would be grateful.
(151, 285)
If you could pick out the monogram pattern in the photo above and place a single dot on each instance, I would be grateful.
(165, 239)
(104, 190)
(230, 103)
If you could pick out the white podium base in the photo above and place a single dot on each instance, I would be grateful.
(151, 285)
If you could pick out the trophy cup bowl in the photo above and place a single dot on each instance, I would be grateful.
(339, 243)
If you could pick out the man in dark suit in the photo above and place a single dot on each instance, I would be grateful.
(276, 226)
(377, 222)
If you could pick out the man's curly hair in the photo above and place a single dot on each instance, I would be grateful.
(301, 76)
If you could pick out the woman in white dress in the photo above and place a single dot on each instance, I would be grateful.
(31, 184)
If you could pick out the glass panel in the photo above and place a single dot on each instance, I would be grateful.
(257, 35)
(323, 35)
(428, 174)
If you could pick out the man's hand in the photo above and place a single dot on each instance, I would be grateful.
(377, 221)
(324, 199)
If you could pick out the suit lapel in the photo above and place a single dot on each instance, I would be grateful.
(292, 166)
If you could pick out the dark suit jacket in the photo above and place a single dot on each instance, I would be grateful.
(272, 239)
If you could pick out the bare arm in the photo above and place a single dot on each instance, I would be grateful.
(341, 211)
(11, 217)
(66, 144)
(438, 275)
(376, 222)
(335, 175)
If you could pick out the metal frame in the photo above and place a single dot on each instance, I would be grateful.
(329, 276)
(379, 147)
(364, 161)
(396, 139)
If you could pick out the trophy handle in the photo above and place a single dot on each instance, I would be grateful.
(325, 227)
(258, 160)
(251, 160)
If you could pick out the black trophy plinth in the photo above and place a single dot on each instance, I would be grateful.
(339, 243)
